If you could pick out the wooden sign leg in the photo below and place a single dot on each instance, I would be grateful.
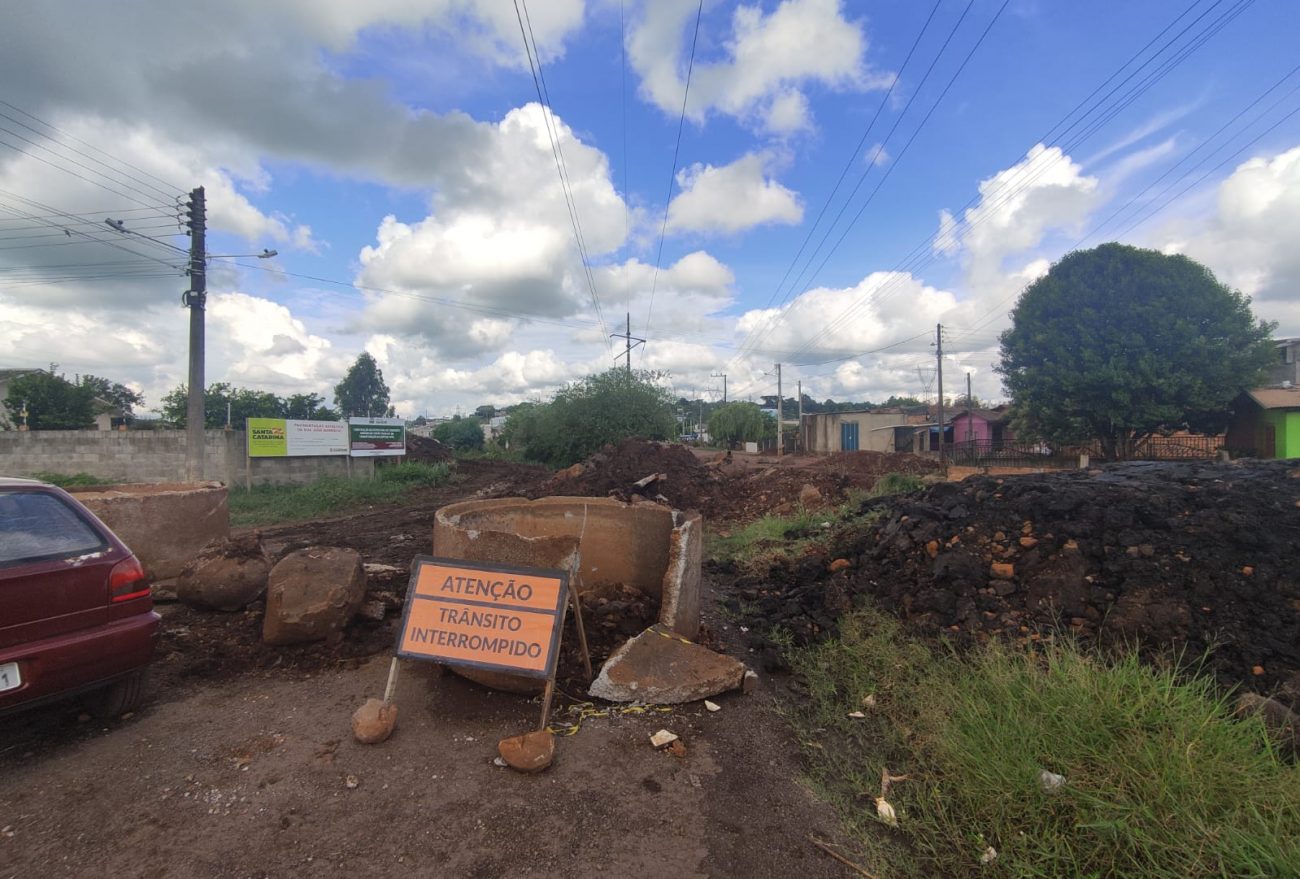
(392, 681)
(576, 599)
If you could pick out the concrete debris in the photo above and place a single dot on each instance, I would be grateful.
(374, 721)
(663, 738)
(660, 668)
(711, 706)
(749, 683)
(312, 594)
(529, 753)
(499, 763)
(352, 782)
(856, 715)
(373, 611)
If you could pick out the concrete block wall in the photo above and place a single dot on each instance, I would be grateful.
(159, 456)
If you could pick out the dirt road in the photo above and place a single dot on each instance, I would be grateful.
(251, 779)
(242, 764)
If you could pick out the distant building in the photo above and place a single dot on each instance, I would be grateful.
(1286, 369)
(874, 431)
(982, 426)
(1266, 423)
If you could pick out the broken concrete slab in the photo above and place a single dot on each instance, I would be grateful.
(660, 668)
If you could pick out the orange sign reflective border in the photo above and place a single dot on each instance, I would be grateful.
(496, 617)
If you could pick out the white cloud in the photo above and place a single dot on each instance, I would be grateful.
(731, 198)
(1249, 239)
(877, 155)
(768, 60)
(1018, 207)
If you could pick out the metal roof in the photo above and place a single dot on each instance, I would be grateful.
(1276, 398)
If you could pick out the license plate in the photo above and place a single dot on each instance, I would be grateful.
(10, 679)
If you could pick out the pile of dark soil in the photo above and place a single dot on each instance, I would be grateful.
(614, 469)
(1190, 557)
(426, 450)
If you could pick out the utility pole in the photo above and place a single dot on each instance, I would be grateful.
(196, 300)
(630, 339)
(799, 435)
(723, 376)
(938, 341)
(969, 406)
(779, 445)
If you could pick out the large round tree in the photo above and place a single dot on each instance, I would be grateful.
(1118, 343)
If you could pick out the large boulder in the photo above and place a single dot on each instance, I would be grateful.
(227, 575)
(313, 593)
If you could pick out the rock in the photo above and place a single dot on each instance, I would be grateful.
(749, 683)
(373, 611)
(1029, 542)
(840, 565)
(530, 752)
(659, 668)
(373, 722)
(1003, 570)
(227, 575)
(809, 495)
(711, 706)
(1282, 723)
(312, 593)
(677, 749)
(663, 738)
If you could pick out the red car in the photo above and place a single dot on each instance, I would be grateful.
(75, 611)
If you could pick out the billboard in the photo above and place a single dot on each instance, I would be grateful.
(371, 437)
(287, 438)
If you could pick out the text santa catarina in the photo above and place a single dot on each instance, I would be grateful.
(488, 616)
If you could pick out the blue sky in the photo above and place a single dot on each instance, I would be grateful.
(399, 146)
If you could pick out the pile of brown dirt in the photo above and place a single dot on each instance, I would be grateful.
(748, 493)
(614, 469)
(1194, 557)
(426, 450)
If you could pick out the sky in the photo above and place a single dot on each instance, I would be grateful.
(813, 183)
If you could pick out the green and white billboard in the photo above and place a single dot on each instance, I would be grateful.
(373, 437)
(288, 438)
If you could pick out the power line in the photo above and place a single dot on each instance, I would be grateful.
(557, 152)
(169, 186)
(923, 254)
(672, 177)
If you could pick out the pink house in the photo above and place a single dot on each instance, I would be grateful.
(982, 426)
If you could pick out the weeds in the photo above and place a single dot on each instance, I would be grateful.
(267, 504)
(1160, 779)
(71, 480)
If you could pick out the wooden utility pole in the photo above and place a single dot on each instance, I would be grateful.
(780, 446)
(938, 341)
(799, 435)
(196, 300)
(969, 406)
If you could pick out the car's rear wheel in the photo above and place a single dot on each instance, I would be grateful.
(119, 697)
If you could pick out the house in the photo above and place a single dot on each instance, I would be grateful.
(6, 376)
(983, 427)
(1286, 369)
(878, 430)
(107, 415)
(1266, 423)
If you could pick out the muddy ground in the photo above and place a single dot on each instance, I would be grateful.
(241, 763)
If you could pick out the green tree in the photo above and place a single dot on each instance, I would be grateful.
(587, 414)
(362, 391)
(485, 412)
(1118, 343)
(119, 395)
(460, 433)
(736, 423)
(243, 403)
(308, 407)
(52, 402)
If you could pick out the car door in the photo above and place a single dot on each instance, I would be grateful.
(55, 564)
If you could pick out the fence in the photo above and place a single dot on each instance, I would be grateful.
(159, 456)
(987, 453)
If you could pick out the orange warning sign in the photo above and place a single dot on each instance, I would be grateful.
(497, 617)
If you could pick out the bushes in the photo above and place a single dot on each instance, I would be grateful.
(588, 414)
(461, 434)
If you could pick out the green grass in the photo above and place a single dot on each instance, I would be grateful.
(895, 483)
(71, 480)
(1161, 779)
(268, 504)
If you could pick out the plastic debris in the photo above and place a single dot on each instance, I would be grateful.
(856, 715)
(885, 812)
(1050, 781)
(990, 855)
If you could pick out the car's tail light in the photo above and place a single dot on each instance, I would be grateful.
(127, 581)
